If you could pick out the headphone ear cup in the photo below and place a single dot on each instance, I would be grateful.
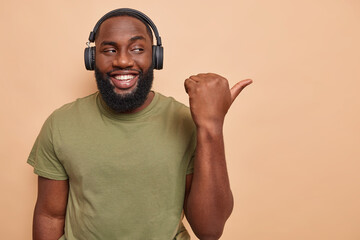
(158, 56)
(89, 57)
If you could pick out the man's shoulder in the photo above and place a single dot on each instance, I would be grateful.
(171, 101)
(176, 111)
(79, 106)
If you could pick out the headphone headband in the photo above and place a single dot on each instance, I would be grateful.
(157, 50)
(132, 12)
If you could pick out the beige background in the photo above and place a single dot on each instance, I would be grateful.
(292, 137)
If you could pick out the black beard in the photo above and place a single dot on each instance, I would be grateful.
(129, 101)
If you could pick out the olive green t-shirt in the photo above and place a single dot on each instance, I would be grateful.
(126, 172)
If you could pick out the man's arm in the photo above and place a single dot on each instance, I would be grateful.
(208, 198)
(50, 209)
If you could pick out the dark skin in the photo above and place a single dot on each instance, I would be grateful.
(50, 209)
(123, 43)
(208, 199)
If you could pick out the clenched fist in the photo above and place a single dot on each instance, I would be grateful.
(210, 98)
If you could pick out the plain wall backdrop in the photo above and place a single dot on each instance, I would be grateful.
(292, 137)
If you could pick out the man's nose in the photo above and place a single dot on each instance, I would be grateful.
(123, 60)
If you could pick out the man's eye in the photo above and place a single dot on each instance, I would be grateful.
(138, 50)
(109, 50)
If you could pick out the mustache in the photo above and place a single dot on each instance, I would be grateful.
(123, 69)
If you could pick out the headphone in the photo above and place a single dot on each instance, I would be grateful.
(157, 50)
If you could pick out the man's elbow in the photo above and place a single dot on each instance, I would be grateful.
(208, 230)
(209, 234)
(210, 225)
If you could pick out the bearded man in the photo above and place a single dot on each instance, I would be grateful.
(126, 162)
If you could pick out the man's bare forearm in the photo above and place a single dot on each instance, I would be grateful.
(210, 200)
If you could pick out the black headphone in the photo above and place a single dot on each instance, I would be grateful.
(157, 50)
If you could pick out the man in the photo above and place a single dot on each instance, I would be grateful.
(122, 163)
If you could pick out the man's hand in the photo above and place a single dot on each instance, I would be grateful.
(210, 98)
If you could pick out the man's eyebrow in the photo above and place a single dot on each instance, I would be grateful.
(108, 43)
(133, 39)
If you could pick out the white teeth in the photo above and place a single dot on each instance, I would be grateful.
(124, 77)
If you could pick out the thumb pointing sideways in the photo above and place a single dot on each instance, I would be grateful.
(238, 87)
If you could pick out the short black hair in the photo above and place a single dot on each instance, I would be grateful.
(118, 14)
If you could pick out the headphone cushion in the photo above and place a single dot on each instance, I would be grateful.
(89, 56)
(158, 56)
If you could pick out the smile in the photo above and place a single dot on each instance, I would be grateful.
(124, 81)
(124, 77)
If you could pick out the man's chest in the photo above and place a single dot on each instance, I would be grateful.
(145, 152)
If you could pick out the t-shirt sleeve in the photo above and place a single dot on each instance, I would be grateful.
(43, 155)
(192, 148)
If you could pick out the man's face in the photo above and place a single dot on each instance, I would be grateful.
(123, 65)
